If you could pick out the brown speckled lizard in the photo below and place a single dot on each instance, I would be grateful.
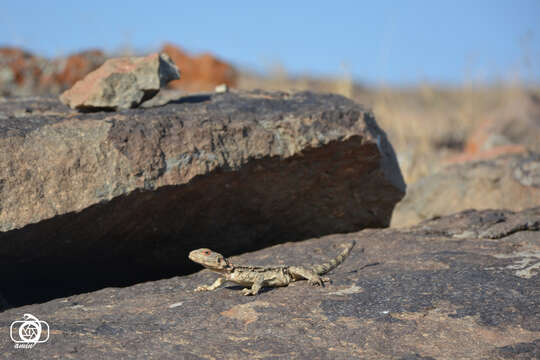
(258, 277)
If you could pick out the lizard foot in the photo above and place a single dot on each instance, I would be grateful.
(247, 292)
(201, 288)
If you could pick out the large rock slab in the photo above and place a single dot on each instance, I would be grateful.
(460, 287)
(508, 182)
(121, 197)
(121, 83)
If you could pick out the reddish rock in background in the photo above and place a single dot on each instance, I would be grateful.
(22, 73)
(486, 142)
(19, 71)
(513, 129)
(469, 156)
(199, 73)
(75, 67)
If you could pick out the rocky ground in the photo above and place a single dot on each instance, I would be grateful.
(99, 210)
(459, 287)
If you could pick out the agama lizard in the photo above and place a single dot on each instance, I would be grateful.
(258, 277)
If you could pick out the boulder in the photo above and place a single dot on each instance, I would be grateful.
(119, 197)
(200, 73)
(435, 291)
(508, 181)
(121, 83)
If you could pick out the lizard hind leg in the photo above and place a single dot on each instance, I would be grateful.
(299, 272)
(255, 288)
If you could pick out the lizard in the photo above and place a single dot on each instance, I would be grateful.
(257, 277)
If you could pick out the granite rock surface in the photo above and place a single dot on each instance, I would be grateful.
(463, 286)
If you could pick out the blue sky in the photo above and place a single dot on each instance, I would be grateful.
(379, 42)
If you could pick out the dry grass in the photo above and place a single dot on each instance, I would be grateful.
(426, 124)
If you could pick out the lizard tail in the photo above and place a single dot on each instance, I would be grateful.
(332, 264)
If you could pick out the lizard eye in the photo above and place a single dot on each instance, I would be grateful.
(206, 252)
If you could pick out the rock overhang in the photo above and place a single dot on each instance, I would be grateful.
(129, 193)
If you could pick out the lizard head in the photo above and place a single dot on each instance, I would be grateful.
(210, 259)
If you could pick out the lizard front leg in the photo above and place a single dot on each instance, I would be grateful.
(299, 272)
(255, 288)
(219, 281)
